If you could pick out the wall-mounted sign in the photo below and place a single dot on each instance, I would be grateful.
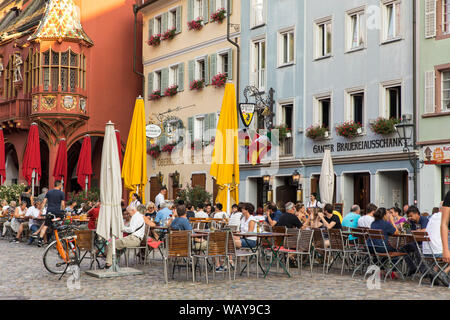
(360, 145)
(247, 111)
(153, 131)
(437, 154)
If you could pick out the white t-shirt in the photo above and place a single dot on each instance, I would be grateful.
(365, 221)
(235, 219)
(245, 225)
(159, 199)
(137, 220)
(201, 214)
(260, 218)
(34, 213)
(315, 204)
(434, 231)
(220, 215)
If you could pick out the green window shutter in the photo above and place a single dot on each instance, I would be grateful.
(206, 128)
(191, 71)
(150, 83)
(207, 75)
(230, 64)
(212, 8)
(212, 125)
(179, 19)
(213, 65)
(164, 79)
(151, 23)
(205, 12)
(164, 22)
(163, 138)
(181, 77)
(191, 129)
(190, 12)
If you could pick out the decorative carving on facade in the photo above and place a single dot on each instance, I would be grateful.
(68, 102)
(17, 65)
(48, 102)
(35, 103)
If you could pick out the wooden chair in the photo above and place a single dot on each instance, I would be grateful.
(233, 252)
(178, 246)
(143, 246)
(85, 242)
(338, 248)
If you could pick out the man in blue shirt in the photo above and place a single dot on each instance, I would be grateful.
(417, 221)
(351, 219)
(181, 222)
(273, 214)
(164, 213)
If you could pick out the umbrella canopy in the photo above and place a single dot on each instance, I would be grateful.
(119, 146)
(326, 183)
(2, 158)
(134, 168)
(32, 156)
(84, 166)
(110, 220)
(60, 169)
(225, 158)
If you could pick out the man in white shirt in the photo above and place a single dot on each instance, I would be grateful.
(366, 220)
(160, 197)
(235, 217)
(219, 214)
(136, 231)
(200, 213)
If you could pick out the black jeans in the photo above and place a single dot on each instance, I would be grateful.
(413, 254)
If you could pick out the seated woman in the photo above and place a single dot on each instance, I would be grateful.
(398, 219)
(384, 221)
(248, 224)
(151, 210)
(313, 220)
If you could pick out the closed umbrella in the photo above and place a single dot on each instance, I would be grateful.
(225, 158)
(84, 167)
(2, 158)
(326, 183)
(31, 166)
(110, 220)
(60, 169)
(119, 146)
(134, 168)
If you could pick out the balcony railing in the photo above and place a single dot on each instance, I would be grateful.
(14, 109)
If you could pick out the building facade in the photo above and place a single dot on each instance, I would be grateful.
(58, 71)
(434, 101)
(186, 57)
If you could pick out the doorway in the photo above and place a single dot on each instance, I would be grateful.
(286, 193)
(361, 192)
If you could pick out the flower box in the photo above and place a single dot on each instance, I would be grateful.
(219, 15)
(154, 151)
(283, 132)
(197, 84)
(171, 91)
(155, 95)
(219, 80)
(169, 34)
(154, 40)
(383, 126)
(317, 132)
(349, 129)
(168, 148)
(196, 24)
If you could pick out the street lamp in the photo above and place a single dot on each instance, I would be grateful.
(176, 179)
(160, 178)
(267, 188)
(296, 181)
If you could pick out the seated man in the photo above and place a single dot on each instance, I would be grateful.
(273, 214)
(351, 219)
(289, 219)
(136, 231)
(33, 213)
(163, 214)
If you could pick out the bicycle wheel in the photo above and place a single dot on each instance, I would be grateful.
(53, 261)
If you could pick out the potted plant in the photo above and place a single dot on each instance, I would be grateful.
(283, 132)
(155, 95)
(154, 151)
(171, 91)
(219, 80)
(155, 40)
(317, 132)
(169, 34)
(195, 195)
(219, 15)
(168, 148)
(197, 84)
(383, 126)
(196, 24)
(349, 129)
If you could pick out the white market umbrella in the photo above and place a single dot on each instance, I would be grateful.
(326, 183)
(110, 220)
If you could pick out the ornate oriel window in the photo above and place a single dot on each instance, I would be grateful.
(65, 69)
(9, 90)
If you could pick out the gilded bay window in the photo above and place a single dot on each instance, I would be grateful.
(66, 69)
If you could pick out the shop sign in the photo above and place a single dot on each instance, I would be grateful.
(247, 111)
(153, 131)
(437, 154)
(360, 145)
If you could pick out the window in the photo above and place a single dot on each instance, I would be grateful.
(28, 74)
(391, 20)
(259, 64)
(445, 75)
(288, 116)
(200, 69)
(356, 30)
(157, 81)
(158, 25)
(446, 16)
(357, 107)
(199, 128)
(258, 15)
(393, 102)
(9, 91)
(322, 111)
(65, 69)
(287, 48)
(172, 23)
(198, 9)
(323, 39)
(223, 63)
(173, 75)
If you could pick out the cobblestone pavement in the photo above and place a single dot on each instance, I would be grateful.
(23, 276)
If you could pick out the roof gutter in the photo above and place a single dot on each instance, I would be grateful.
(238, 58)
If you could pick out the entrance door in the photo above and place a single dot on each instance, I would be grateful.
(286, 193)
(154, 188)
(362, 189)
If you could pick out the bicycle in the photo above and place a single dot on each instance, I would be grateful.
(63, 251)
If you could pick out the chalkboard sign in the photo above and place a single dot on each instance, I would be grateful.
(339, 207)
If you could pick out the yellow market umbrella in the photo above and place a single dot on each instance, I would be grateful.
(225, 158)
(134, 168)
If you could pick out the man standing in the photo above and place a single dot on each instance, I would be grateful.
(366, 220)
(160, 198)
(351, 219)
(136, 231)
(289, 219)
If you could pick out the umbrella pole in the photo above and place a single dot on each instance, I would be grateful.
(86, 184)
(228, 200)
(33, 175)
(62, 184)
(114, 267)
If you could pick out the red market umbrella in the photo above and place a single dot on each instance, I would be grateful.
(31, 166)
(60, 169)
(84, 167)
(119, 146)
(2, 158)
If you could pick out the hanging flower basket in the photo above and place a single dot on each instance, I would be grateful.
(317, 132)
(155, 95)
(383, 126)
(154, 151)
(219, 80)
(349, 129)
(168, 148)
(171, 91)
(219, 15)
(196, 24)
(169, 34)
(154, 40)
(197, 84)
(283, 132)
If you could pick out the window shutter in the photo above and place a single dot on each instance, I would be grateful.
(430, 18)
(179, 19)
(191, 71)
(230, 64)
(162, 141)
(213, 65)
(207, 75)
(181, 77)
(212, 125)
(151, 23)
(190, 12)
(212, 8)
(205, 12)
(150, 83)
(206, 128)
(165, 22)
(164, 79)
(191, 129)
(429, 92)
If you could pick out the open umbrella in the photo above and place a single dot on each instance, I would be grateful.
(225, 158)
(119, 145)
(326, 183)
(134, 168)
(2, 158)
(84, 167)
(60, 169)
(110, 220)
(31, 166)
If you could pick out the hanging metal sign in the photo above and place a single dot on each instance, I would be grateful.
(153, 131)
(247, 111)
